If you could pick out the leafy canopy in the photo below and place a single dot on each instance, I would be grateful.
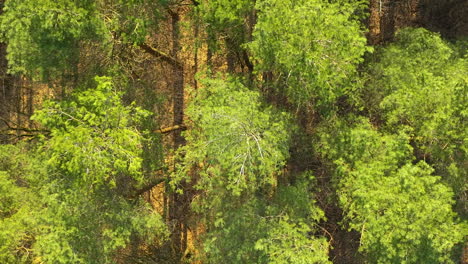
(46, 37)
(226, 19)
(419, 84)
(268, 230)
(132, 21)
(43, 36)
(94, 121)
(17, 201)
(75, 208)
(241, 143)
(403, 212)
(235, 152)
(312, 47)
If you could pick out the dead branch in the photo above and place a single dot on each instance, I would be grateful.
(11, 128)
(154, 182)
(170, 129)
(161, 55)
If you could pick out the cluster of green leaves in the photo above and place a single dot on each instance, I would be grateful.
(240, 143)
(280, 229)
(224, 14)
(292, 232)
(43, 36)
(419, 84)
(132, 21)
(80, 176)
(403, 212)
(17, 227)
(311, 46)
(226, 19)
(94, 121)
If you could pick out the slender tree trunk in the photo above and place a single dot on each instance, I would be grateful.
(196, 31)
(177, 201)
(231, 50)
(178, 82)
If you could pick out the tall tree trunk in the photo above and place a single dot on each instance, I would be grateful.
(177, 202)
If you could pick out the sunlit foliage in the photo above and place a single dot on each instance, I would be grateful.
(419, 84)
(74, 206)
(403, 212)
(311, 46)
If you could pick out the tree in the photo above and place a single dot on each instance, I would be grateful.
(44, 36)
(17, 201)
(48, 40)
(403, 212)
(311, 48)
(419, 84)
(228, 24)
(280, 229)
(132, 21)
(253, 139)
(89, 163)
(235, 153)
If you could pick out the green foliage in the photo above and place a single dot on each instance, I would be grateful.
(223, 14)
(404, 213)
(420, 84)
(17, 201)
(94, 121)
(94, 157)
(289, 241)
(78, 227)
(74, 208)
(233, 232)
(132, 21)
(69, 197)
(275, 231)
(43, 36)
(47, 38)
(237, 149)
(240, 143)
(405, 217)
(293, 219)
(312, 47)
(226, 19)
(16, 224)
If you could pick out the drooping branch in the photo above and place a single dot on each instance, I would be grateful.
(161, 55)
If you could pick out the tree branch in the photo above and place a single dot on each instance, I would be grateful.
(170, 129)
(161, 55)
(17, 136)
(22, 129)
(137, 192)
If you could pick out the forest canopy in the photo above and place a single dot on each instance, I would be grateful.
(215, 131)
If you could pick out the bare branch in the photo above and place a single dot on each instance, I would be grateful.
(156, 181)
(161, 55)
(170, 129)
(11, 128)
